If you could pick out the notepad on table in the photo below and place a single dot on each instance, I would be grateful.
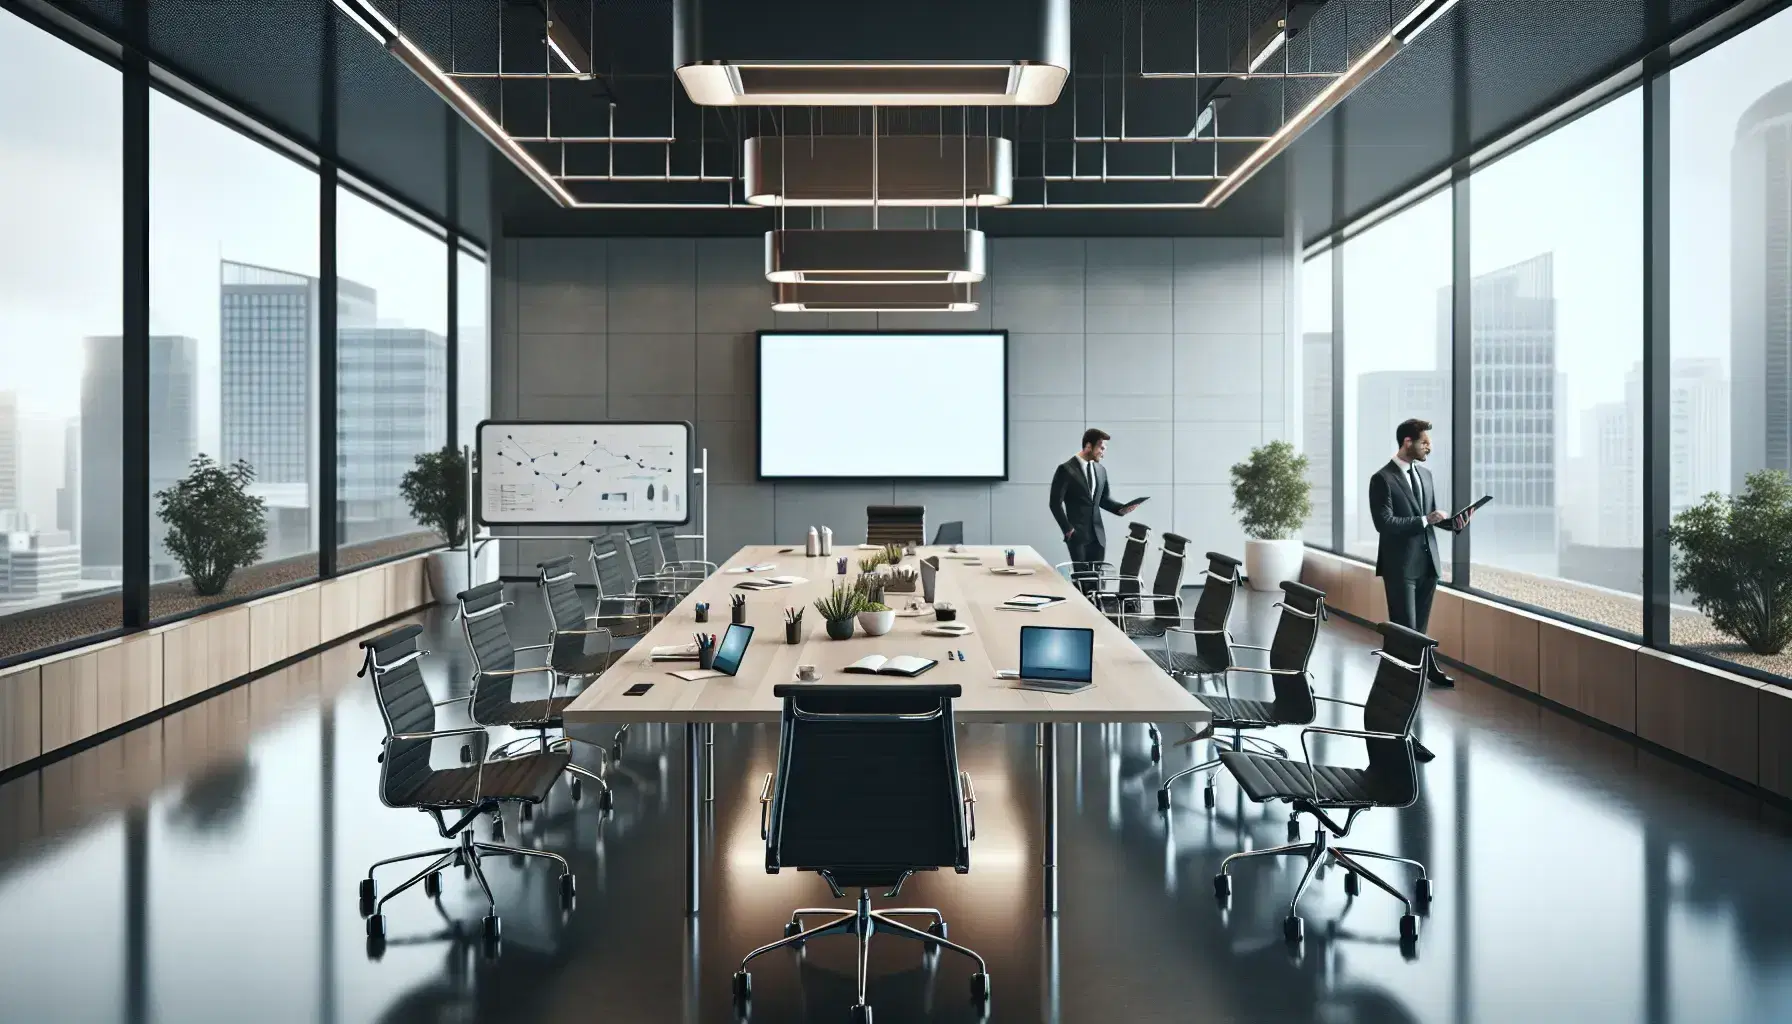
(1031, 602)
(674, 652)
(1009, 570)
(901, 665)
(692, 675)
(770, 583)
(761, 567)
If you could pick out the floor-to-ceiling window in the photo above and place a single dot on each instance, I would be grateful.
(1730, 384)
(61, 347)
(1397, 356)
(1556, 267)
(472, 346)
(1316, 427)
(233, 362)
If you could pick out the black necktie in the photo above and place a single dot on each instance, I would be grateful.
(1090, 466)
(1418, 495)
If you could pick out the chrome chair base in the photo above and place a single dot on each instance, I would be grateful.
(1319, 852)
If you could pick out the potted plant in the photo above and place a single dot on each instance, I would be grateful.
(837, 610)
(1734, 555)
(215, 526)
(876, 618)
(436, 490)
(1273, 499)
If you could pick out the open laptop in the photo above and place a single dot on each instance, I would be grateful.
(1059, 659)
(729, 651)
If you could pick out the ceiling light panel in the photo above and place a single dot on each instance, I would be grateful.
(874, 257)
(831, 297)
(911, 170)
(833, 53)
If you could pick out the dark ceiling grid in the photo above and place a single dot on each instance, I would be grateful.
(394, 127)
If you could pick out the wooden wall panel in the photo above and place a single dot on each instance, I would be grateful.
(371, 585)
(137, 662)
(1319, 571)
(1446, 623)
(1776, 739)
(187, 664)
(70, 699)
(1500, 641)
(1709, 715)
(268, 640)
(339, 608)
(303, 623)
(228, 639)
(21, 715)
(1589, 672)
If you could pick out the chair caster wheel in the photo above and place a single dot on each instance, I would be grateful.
(861, 1013)
(376, 926)
(369, 895)
(616, 754)
(1409, 929)
(569, 889)
(1293, 830)
(980, 988)
(577, 789)
(743, 990)
(376, 948)
(1421, 893)
(792, 929)
(1163, 799)
(498, 831)
(1222, 887)
(1352, 885)
(1207, 799)
(493, 928)
(466, 753)
(432, 885)
(1157, 753)
(526, 812)
(606, 801)
(938, 930)
(1293, 928)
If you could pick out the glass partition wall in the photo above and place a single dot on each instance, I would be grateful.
(162, 459)
(1578, 378)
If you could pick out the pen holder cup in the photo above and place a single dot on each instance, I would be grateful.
(739, 615)
(793, 633)
(944, 614)
(702, 613)
(840, 567)
(1010, 556)
(706, 658)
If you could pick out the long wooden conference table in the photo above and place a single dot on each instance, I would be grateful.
(1129, 687)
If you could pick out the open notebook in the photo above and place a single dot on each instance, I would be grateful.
(901, 665)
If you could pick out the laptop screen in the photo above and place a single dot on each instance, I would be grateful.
(1057, 653)
(732, 648)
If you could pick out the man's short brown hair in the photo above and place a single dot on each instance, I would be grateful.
(1092, 437)
(1410, 430)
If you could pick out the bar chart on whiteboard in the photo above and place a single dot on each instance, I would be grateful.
(565, 473)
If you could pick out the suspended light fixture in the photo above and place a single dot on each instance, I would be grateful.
(912, 170)
(874, 257)
(833, 297)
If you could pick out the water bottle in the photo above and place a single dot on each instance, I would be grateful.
(812, 547)
(827, 541)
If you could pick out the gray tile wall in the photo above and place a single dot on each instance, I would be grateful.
(1177, 347)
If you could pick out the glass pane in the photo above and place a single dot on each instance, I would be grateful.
(1730, 239)
(392, 373)
(61, 349)
(1396, 356)
(233, 361)
(1316, 392)
(1556, 254)
(473, 347)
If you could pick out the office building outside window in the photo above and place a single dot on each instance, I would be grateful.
(1730, 241)
(61, 199)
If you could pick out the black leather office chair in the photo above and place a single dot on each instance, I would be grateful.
(1390, 780)
(671, 562)
(1153, 614)
(895, 524)
(1125, 581)
(571, 654)
(408, 780)
(495, 672)
(650, 572)
(620, 609)
(950, 533)
(1297, 633)
(1206, 628)
(867, 792)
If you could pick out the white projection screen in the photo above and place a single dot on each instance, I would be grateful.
(839, 405)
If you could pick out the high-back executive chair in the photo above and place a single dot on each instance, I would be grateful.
(1207, 626)
(672, 564)
(408, 780)
(1390, 780)
(495, 672)
(1112, 588)
(1292, 701)
(620, 609)
(895, 524)
(867, 792)
(648, 564)
(950, 533)
(571, 630)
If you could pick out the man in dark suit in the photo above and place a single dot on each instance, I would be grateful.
(1079, 494)
(1403, 506)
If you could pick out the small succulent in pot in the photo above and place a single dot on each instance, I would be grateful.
(837, 609)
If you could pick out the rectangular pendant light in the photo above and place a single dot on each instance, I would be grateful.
(874, 257)
(910, 170)
(833, 297)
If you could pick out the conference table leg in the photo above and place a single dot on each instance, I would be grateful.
(693, 814)
(1048, 738)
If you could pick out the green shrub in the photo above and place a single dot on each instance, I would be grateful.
(841, 602)
(437, 493)
(215, 526)
(1270, 492)
(1734, 554)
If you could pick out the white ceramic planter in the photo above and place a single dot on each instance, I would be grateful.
(448, 571)
(1270, 563)
(877, 623)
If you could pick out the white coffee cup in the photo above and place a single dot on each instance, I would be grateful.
(807, 673)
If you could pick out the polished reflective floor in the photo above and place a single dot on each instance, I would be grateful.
(204, 868)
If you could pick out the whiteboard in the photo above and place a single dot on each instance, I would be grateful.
(574, 474)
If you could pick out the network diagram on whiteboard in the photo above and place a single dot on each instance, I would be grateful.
(582, 472)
